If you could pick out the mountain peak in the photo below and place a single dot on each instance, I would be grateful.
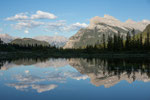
(130, 21)
(110, 17)
(105, 19)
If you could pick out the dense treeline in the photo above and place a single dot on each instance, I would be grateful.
(119, 43)
(7, 47)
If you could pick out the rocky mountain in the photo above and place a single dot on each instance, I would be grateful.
(7, 38)
(107, 25)
(58, 41)
(144, 33)
(30, 41)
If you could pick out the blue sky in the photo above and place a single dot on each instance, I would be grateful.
(70, 15)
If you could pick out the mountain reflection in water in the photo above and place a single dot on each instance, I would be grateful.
(107, 72)
(111, 71)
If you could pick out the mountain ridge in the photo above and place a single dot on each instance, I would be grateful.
(107, 25)
(29, 41)
(58, 41)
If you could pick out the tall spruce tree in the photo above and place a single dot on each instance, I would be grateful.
(147, 41)
(128, 41)
(104, 42)
(141, 42)
(109, 43)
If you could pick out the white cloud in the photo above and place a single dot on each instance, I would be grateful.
(17, 17)
(43, 15)
(75, 26)
(39, 15)
(38, 87)
(19, 86)
(26, 71)
(52, 62)
(76, 75)
(43, 87)
(29, 79)
(26, 31)
(55, 26)
(63, 27)
(27, 24)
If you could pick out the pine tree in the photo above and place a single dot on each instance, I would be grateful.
(104, 43)
(133, 42)
(141, 42)
(128, 41)
(115, 43)
(147, 41)
(1, 42)
(109, 43)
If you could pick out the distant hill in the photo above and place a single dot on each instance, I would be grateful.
(29, 41)
(58, 41)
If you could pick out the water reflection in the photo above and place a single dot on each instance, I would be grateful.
(42, 63)
(111, 71)
(44, 80)
(28, 74)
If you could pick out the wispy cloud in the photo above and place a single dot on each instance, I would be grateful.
(43, 87)
(27, 24)
(18, 17)
(39, 15)
(26, 21)
(43, 15)
(38, 87)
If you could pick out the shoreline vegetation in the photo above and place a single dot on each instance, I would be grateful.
(117, 46)
(107, 55)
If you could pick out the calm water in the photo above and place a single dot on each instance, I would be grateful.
(75, 79)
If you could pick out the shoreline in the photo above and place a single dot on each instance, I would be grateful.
(17, 55)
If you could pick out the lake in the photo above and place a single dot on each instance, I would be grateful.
(75, 79)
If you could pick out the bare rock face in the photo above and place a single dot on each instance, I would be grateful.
(107, 25)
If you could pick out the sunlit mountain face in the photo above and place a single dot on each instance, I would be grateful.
(58, 78)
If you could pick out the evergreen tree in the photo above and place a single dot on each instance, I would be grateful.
(109, 43)
(104, 43)
(115, 43)
(147, 41)
(128, 41)
(1, 42)
(141, 42)
(133, 42)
